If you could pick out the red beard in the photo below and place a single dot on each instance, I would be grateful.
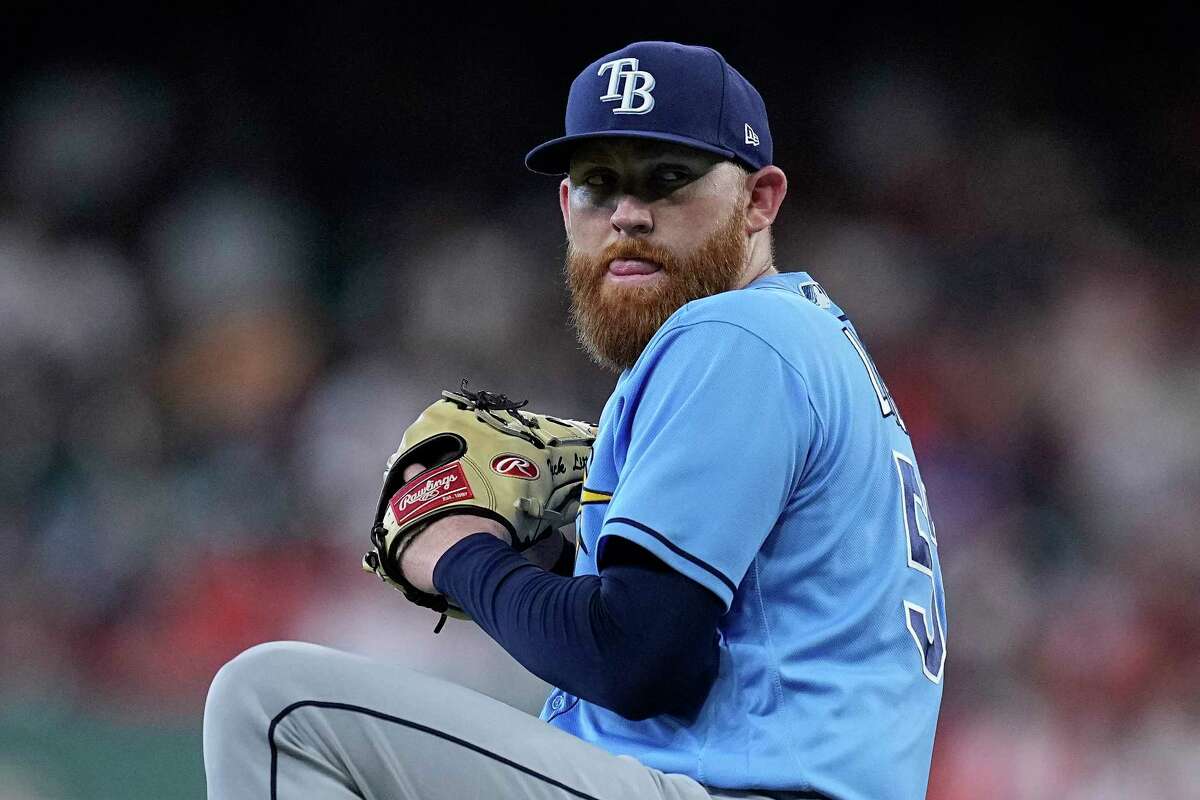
(614, 323)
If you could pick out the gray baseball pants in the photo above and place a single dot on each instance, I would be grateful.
(289, 720)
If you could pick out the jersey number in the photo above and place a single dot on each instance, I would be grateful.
(925, 624)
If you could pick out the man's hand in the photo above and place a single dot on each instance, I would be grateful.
(492, 468)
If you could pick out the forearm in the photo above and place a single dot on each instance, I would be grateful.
(638, 641)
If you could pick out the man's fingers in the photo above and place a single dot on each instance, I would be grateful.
(412, 471)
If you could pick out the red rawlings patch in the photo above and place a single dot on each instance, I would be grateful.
(432, 490)
(514, 466)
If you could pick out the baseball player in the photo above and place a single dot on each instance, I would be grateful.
(753, 606)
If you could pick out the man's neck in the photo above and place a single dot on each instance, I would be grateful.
(760, 262)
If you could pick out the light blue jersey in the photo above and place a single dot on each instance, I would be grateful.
(754, 448)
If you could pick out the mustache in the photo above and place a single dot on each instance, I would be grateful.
(639, 249)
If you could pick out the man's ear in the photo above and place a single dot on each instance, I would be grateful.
(564, 202)
(765, 191)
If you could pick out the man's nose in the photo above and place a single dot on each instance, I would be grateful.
(632, 217)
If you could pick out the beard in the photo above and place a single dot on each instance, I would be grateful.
(614, 323)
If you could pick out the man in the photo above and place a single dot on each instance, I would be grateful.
(755, 606)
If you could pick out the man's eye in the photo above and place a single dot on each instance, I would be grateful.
(596, 180)
(671, 175)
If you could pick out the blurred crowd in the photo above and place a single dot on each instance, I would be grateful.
(203, 370)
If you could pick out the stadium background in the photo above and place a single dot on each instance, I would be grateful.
(239, 253)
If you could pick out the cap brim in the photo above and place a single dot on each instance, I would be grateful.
(554, 157)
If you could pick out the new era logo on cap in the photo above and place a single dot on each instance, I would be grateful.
(666, 91)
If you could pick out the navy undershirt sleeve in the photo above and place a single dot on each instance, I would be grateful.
(639, 639)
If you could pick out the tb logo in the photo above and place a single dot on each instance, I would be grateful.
(625, 82)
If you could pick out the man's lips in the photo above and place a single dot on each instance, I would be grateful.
(622, 267)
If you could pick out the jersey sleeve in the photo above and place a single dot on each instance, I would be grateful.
(716, 426)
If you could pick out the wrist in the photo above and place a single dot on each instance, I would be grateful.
(464, 556)
(422, 554)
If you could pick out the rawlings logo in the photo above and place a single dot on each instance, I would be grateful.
(430, 490)
(514, 466)
(444, 485)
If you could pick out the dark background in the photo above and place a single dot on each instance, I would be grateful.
(239, 252)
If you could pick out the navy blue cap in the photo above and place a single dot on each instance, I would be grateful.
(665, 91)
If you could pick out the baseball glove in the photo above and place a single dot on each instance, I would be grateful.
(482, 455)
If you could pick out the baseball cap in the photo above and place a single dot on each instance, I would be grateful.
(665, 91)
